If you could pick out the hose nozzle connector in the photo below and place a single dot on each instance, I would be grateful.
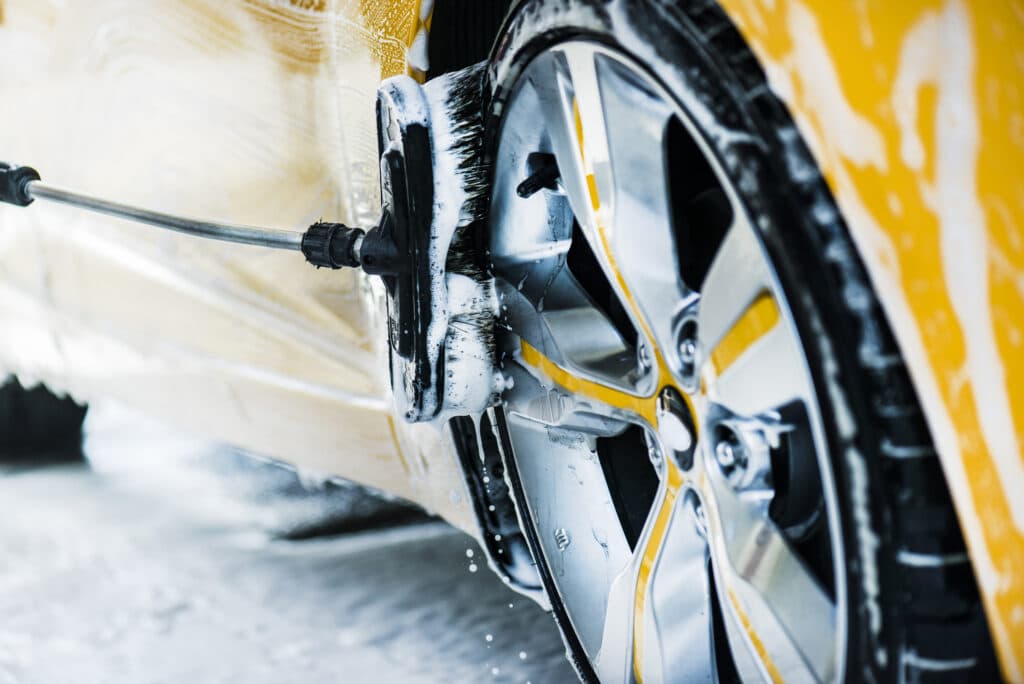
(14, 182)
(332, 245)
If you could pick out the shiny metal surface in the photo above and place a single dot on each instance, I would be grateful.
(226, 232)
(604, 120)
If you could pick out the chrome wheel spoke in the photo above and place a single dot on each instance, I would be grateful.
(577, 524)
(738, 274)
(753, 362)
(674, 639)
(606, 124)
(556, 84)
(638, 233)
(768, 375)
(783, 608)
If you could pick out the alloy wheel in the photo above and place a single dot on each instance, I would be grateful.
(662, 420)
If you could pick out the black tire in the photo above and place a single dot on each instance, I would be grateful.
(37, 424)
(462, 32)
(902, 619)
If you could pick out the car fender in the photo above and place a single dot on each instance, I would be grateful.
(912, 111)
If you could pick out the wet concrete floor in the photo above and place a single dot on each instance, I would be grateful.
(167, 559)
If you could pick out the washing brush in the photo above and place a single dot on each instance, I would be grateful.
(434, 183)
(426, 132)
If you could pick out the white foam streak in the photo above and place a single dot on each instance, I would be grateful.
(940, 51)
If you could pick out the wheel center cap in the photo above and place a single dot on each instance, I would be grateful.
(676, 427)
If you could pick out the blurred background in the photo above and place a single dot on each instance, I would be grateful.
(153, 556)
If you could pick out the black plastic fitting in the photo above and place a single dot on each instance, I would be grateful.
(14, 182)
(380, 254)
(331, 245)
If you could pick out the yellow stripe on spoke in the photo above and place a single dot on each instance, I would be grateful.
(647, 561)
(757, 321)
(645, 407)
(762, 652)
(588, 171)
(648, 409)
(665, 377)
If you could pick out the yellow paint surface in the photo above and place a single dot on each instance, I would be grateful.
(645, 407)
(913, 110)
(674, 479)
(760, 317)
(393, 25)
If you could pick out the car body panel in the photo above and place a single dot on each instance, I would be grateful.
(913, 112)
(256, 112)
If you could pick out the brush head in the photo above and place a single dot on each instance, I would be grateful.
(457, 132)
(441, 306)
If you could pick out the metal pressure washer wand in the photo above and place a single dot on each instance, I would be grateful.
(246, 235)
(329, 245)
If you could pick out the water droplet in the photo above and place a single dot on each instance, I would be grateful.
(472, 567)
(489, 638)
(469, 553)
(491, 507)
(495, 671)
(522, 655)
(497, 537)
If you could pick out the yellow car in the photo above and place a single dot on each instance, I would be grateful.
(746, 295)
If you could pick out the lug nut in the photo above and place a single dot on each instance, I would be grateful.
(688, 351)
(742, 454)
(725, 454)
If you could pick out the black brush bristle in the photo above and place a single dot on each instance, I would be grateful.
(464, 110)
